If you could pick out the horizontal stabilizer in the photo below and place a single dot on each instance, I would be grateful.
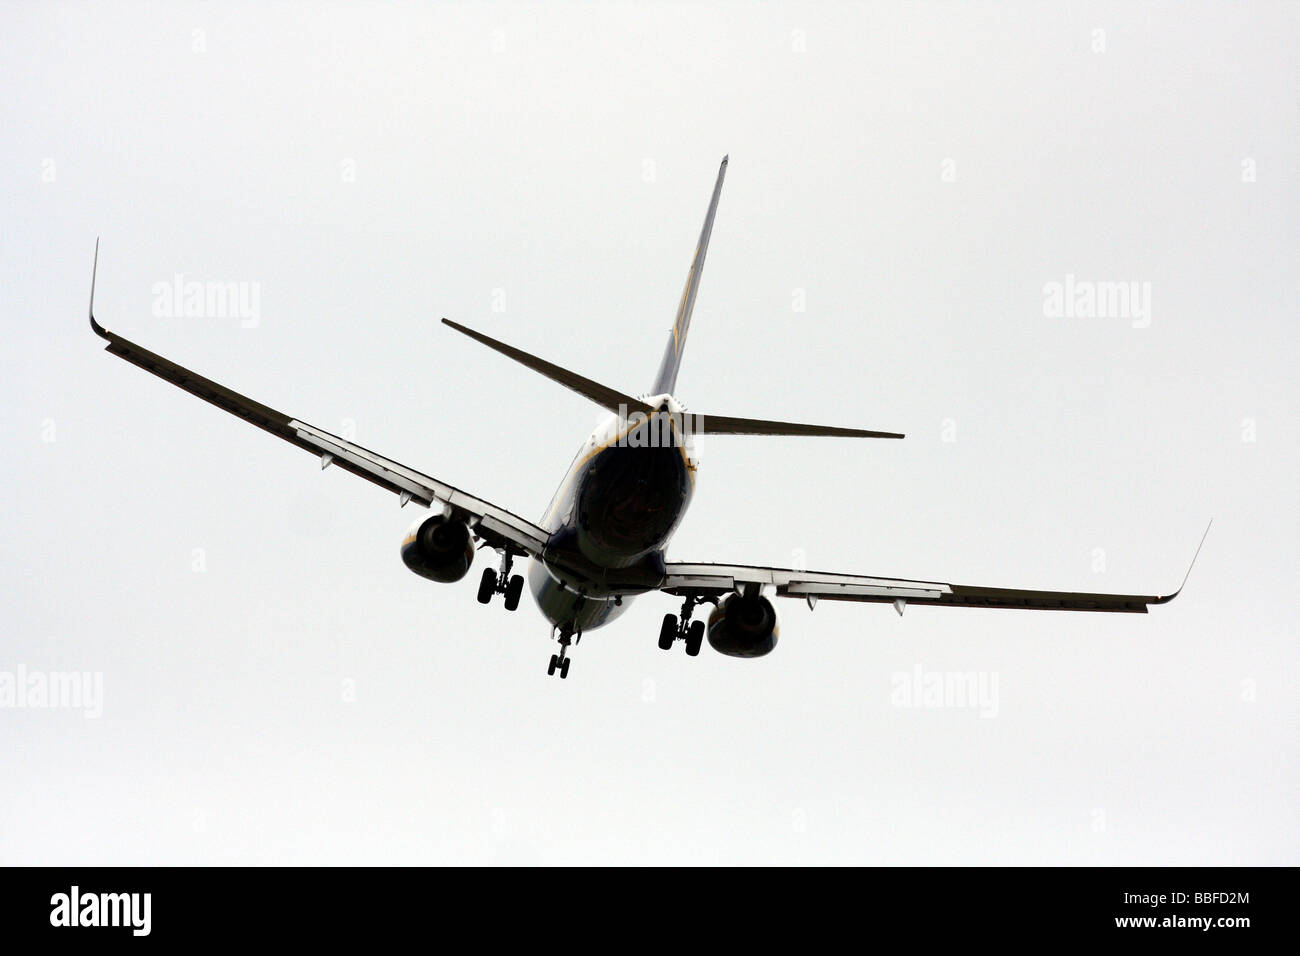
(603, 395)
(726, 425)
(621, 404)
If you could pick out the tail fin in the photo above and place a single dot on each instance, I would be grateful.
(667, 378)
(619, 403)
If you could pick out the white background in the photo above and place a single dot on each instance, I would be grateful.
(563, 155)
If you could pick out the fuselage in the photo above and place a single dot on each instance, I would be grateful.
(619, 503)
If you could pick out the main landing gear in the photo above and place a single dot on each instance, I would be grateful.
(692, 632)
(500, 582)
(561, 661)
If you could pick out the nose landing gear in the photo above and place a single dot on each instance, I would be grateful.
(561, 661)
(692, 632)
(501, 582)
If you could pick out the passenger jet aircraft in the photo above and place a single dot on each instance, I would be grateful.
(602, 541)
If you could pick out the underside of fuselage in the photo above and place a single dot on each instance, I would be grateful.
(623, 497)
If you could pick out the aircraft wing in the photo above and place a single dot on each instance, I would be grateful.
(499, 527)
(716, 580)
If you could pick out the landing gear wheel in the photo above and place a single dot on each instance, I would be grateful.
(568, 635)
(487, 586)
(695, 638)
(668, 632)
(513, 590)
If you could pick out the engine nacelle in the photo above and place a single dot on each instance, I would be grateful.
(439, 548)
(743, 627)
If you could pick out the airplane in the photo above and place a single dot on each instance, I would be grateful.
(602, 540)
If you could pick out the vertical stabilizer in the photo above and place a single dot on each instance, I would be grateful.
(666, 381)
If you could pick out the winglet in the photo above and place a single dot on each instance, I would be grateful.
(1168, 598)
(94, 269)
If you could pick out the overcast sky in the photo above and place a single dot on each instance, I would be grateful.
(907, 183)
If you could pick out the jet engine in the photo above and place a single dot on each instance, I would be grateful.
(439, 548)
(743, 626)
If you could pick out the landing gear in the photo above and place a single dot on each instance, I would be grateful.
(561, 660)
(513, 590)
(695, 639)
(501, 582)
(561, 663)
(668, 632)
(692, 632)
(487, 586)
